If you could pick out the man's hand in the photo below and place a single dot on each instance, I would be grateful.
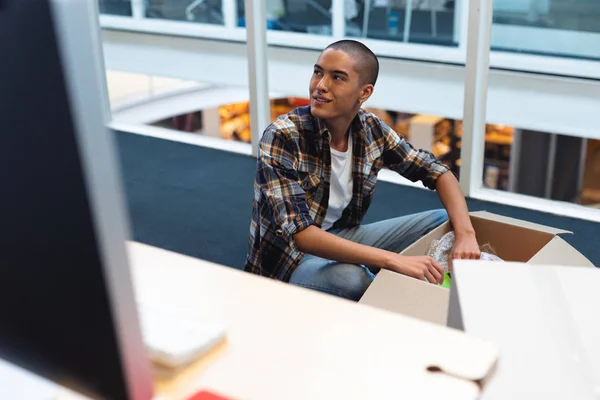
(420, 267)
(320, 243)
(465, 248)
(465, 244)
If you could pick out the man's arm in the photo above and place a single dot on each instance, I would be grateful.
(416, 165)
(320, 243)
(465, 245)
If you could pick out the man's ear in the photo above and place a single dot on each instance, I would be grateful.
(366, 92)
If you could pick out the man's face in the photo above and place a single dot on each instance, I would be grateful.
(335, 87)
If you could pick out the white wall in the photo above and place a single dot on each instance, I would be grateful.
(125, 88)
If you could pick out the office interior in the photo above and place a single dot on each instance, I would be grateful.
(179, 105)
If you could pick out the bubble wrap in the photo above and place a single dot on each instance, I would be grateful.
(440, 250)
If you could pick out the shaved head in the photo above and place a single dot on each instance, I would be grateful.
(367, 65)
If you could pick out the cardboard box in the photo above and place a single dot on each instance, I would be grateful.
(513, 240)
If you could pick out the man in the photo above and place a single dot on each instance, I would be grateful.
(316, 173)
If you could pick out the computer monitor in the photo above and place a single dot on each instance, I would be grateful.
(67, 307)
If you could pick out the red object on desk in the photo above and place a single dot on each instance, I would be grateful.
(206, 395)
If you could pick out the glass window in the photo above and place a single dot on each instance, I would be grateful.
(306, 16)
(199, 11)
(497, 156)
(547, 165)
(590, 188)
(542, 164)
(115, 7)
(555, 27)
(439, 135)
(411, 21)
(443, 137)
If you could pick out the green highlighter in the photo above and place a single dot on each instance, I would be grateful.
(447, 278)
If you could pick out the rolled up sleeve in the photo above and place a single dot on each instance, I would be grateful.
(413, 164)
(279, 184)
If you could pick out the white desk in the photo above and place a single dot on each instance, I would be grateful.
(546, 321)
(286, 342)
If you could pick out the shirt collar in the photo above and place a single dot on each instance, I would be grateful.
(357, 124)
(319, 127)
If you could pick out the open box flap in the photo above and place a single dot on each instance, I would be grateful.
(559, 252)
(415, 298)
(548, 316)
(463, 366)
(408, 296)
(518, 222)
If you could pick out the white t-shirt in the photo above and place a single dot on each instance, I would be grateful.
(340, 189)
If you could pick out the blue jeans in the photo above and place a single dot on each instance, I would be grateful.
(351, 280)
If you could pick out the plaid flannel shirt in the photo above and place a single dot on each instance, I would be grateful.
(293, 174)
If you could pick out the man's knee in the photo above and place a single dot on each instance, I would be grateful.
(347, 280)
